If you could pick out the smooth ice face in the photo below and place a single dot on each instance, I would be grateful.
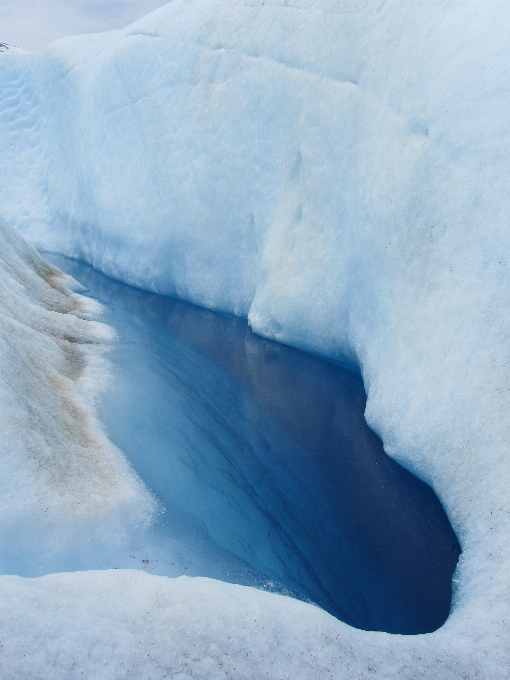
(268, 472)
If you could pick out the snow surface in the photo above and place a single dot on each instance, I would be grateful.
(336, 172)
(57, 467)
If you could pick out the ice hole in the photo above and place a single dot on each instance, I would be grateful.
(267, 470)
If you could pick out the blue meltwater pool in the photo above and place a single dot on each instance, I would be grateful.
(265, 467)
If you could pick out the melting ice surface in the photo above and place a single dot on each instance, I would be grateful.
(265, 467)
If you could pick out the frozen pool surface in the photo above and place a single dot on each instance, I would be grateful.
(268, 473)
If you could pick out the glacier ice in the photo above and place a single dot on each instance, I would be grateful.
(337, 173)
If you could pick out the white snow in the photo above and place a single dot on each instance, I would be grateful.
(338, 173)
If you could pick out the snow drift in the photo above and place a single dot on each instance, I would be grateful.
(336, 172)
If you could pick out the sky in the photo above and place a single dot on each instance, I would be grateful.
(33, 24)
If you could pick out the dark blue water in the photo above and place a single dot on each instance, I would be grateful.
(266, 467)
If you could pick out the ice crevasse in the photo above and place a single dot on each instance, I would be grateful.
(338, 174)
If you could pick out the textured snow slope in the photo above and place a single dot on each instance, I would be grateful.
(60, 477)
(338, 173)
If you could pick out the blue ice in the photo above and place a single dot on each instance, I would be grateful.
(265, 467)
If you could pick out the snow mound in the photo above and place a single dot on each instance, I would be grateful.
(337, 173)
(61, 481)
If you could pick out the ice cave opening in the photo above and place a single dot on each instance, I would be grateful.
(264, 468)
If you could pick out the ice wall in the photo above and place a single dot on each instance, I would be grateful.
(337, 172)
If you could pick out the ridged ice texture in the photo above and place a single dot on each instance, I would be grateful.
(338, 173)
(63, 486)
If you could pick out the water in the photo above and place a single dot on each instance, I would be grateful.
(266, 468)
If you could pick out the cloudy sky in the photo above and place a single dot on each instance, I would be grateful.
(32, 24)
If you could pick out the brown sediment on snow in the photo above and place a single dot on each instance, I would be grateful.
(53, 368)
